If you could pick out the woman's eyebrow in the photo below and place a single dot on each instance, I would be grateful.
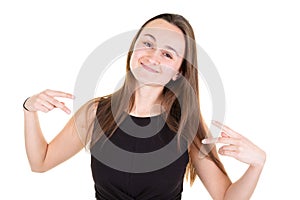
(172, 49)
(149, 35)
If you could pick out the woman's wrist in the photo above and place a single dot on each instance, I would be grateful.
(24, 105)
(261, 162)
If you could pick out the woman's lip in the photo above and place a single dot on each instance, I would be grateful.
(149, 68)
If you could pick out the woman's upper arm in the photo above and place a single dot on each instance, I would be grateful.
(71, 139)
(214, 180)
(66, 144)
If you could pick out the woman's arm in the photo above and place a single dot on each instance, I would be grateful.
(41, 155)
(214, 180)
(240, 148)
(245, 186)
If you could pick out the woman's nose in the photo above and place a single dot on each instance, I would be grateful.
(153, 57)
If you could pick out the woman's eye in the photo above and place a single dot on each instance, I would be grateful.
(147, 44)
(168, 55)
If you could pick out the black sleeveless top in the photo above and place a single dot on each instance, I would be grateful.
(132, 172)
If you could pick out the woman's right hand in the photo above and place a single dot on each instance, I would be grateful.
(45, 101)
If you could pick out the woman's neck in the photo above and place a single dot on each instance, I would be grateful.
(147, 101)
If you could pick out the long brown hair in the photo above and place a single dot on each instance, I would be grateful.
(181, 99)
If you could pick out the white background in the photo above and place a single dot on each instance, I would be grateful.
(254, 45)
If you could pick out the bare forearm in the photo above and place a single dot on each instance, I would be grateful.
(245, 186)
(35, 143)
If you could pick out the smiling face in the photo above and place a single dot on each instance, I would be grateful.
(158, 53)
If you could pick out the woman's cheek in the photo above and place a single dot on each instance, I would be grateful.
(173, 65)
(134, 60)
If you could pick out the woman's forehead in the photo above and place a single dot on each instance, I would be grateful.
(164, 34)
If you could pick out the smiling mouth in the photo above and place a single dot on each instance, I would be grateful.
(149, 68)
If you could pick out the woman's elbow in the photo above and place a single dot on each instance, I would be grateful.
(38, 169)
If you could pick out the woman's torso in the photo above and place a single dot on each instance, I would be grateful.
(136, 173)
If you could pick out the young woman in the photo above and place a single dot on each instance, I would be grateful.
(131, 132)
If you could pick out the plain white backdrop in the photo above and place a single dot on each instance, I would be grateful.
(254, 45)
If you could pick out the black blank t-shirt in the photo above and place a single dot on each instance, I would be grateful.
(165, 183)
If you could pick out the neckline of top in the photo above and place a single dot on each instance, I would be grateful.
(144, 117)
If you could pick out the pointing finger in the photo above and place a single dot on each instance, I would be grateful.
(226, 129)
(55, 93)
(223, 140)
(209, 140)
(58, 104)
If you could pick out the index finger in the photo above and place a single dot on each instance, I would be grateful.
(58, 104)
(223, 140)
(225, 128)
(209, 141)
(55, 93)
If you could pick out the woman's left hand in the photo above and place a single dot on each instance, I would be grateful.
(237, 146)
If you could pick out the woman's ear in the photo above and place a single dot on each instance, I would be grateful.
(176, 76)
